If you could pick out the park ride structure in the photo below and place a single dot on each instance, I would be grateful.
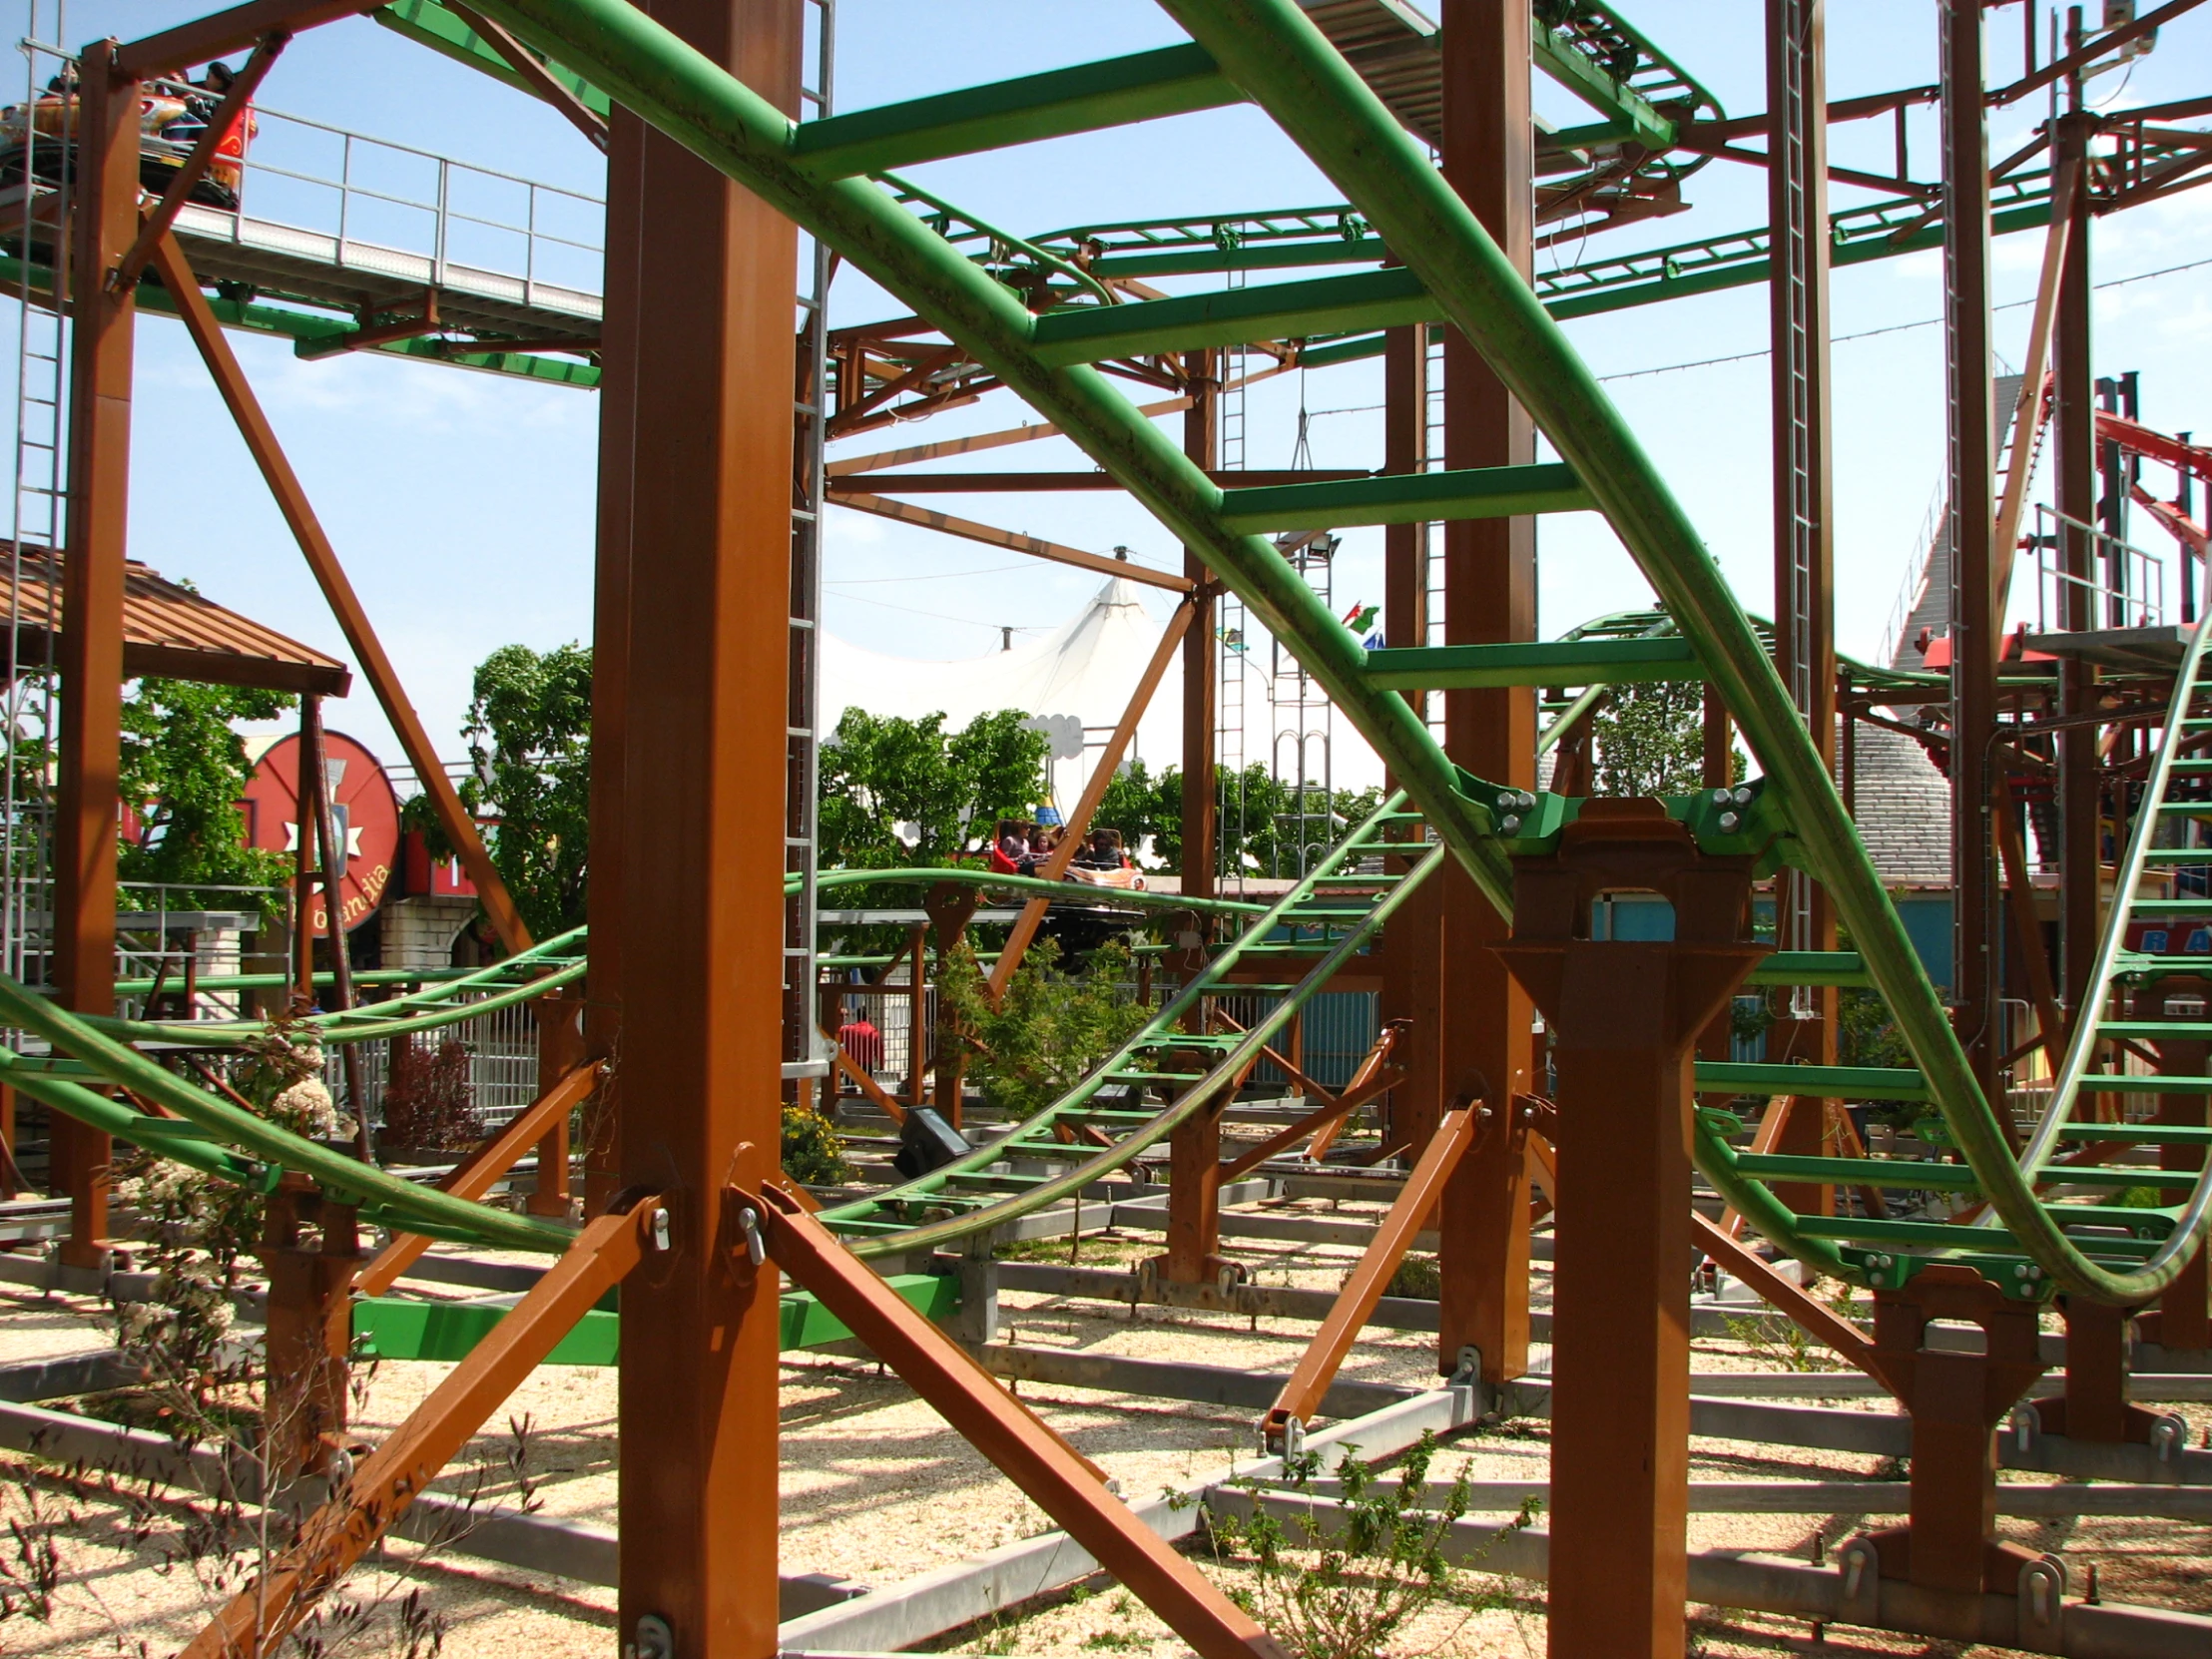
(1513, 869)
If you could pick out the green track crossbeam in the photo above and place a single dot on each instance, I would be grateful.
(1612, 662)
(399, 1328)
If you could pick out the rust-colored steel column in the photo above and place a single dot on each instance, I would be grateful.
(1956, 1401)
(1489, 596)
(309, 1333)
(2183, 1318)
(1624, 1015)
(307, 789)
(1412, 948)
(949, 909)
(1804, 534)
(610, 648)
(1797, 325)
(701, 906)
(314, 756)
(917, 1019)
(2074, 463)
(2095, 1406)
(1192, 1251)
(105, 222)
(1975, 623)
(1192, 1256)
(560, 1052)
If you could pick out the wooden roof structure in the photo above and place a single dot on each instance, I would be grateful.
(168, 630)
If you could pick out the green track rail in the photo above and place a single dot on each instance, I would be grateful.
(1319, 920)
(1274, 53)
(1191, 1068)
(2031, 1241)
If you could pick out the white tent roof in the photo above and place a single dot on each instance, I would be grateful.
(1088, 666)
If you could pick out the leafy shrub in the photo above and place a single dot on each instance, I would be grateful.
(1418, 1277)
(1339, 1582)
(813, 1154)
(430, 1099)
(1051, 1028)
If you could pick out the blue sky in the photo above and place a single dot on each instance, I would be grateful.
(462, 503)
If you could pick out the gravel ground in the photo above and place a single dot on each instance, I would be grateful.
(875, 1489)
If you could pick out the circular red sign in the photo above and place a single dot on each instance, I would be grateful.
(366, 809)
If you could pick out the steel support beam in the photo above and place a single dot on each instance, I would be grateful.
(1803, 536)
(627, 137)
(476, 1174)
(90, 655)
(560, 1057)
(338, 590)
(1058, 1479)
(705, 490)
(257, 1620)
(228, 31)
(2075, 420)
(1624, 1016)
(1975, 626)
(1411, 951)
(309, 1333)
(2183, 1319)
(1308, 1381)
(1949, 1545)
(1201, 821)
(1489, 597)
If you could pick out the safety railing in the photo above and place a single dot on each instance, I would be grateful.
(2125, 586)
(354, 202)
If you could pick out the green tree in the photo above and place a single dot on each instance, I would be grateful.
(1140, 805)
(1253, 806)
(880, 772)
(183, 771)
(1650, 740)
(529, 746)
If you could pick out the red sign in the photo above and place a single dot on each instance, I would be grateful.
(437, 878)
(366, 809)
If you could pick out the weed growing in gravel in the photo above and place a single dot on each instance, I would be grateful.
(1345, 1575)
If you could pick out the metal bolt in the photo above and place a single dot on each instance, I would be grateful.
(660, 1238)
(1742, 797)
(1510, 825)
(1720, 798)
(1729, 820)
(654, 1638)
(756, 1249)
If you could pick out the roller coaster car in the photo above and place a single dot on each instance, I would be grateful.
(171, 121)
(1079, 929)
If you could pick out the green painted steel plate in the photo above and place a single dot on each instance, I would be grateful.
(398, 1327)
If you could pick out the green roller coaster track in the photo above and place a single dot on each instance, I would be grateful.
(1273, 56)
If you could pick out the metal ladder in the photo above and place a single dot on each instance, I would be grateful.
(802, 728)
(1795, 607)
(37, 514)
(1230, 646)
